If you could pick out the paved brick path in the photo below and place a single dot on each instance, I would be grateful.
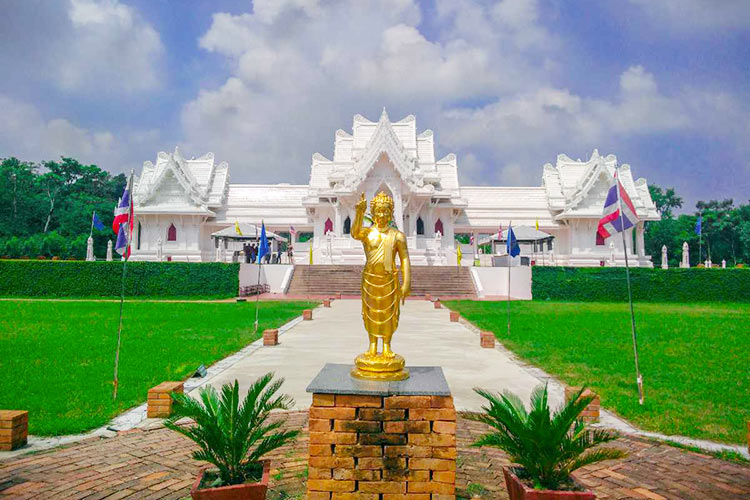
(156, 464)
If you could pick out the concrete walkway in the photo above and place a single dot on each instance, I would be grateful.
(425, 337)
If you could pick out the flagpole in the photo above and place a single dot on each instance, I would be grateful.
(639, 378)
(510, 264)
(122, 285)
(257, 294)
(700, 237)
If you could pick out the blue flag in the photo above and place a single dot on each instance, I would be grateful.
(698, 224)
(97, 223)
(263, 246)
(511, 245)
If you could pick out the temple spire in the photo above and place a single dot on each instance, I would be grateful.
(384, 115)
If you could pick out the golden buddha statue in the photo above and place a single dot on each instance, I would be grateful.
(382, 295)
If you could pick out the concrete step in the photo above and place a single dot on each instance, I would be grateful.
(346, 279)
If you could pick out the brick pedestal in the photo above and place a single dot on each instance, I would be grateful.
(487, 339)
(385, 446)
(159, 400)
(591, 413)
(437, 304)
(307, 314)
(326, 302)
(271, 336)
(14, 429)
(455, 316)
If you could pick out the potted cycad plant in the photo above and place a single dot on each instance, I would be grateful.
(546, 446)
(233, 436)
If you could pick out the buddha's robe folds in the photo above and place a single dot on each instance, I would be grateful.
(381, 291)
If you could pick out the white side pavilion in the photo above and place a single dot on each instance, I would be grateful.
(184, 201)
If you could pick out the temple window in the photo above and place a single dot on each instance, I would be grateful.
(347, 225)
(172, 233)
(328, 228)
(439, 227)
(420, 226)
(599, 239)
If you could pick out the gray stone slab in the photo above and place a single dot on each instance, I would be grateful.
(423, 381)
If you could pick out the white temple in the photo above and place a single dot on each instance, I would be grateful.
(180, 203)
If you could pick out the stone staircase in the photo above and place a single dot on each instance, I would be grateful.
(438, 281)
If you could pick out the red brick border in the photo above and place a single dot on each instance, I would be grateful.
(271, 336)
(307, 314)
(591, 413)
(160, 401)
(14, 429)
(455, 316)
(487, 339)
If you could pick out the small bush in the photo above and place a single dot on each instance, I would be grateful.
(608, 284)
(25, 278)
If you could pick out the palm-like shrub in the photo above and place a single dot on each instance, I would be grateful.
(549, 446)
(231, 435)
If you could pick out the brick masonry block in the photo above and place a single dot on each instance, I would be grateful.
(14, 429)
(337, 413)
(432, 464)
(359, 401)
(590, 414)
(324, 399)
(407, 427)
(437, 304)
(487, 340)
(376, 447)
(321, 450)
(318, 495)
(319, 425)
(400, 402)
(307, 314)
(381, 415)
(455, 316)
(326, 302)
(442, 401)
(271, 336)
(160, 401)
(448, 414)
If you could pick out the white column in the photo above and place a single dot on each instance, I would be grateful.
(640, 242)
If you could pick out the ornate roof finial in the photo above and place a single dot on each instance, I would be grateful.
(384, 115)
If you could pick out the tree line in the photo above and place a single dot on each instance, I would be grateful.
(725, 230)
(46, 207)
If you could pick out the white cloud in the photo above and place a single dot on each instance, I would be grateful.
(26, 134)
(690, 16)
(83, 47)
(111, 48)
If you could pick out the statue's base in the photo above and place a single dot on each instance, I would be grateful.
(379, 367)
(381, 439)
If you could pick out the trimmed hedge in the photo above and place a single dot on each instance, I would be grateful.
(29, 278)
(608, 284)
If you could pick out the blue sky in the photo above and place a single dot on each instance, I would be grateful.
(507, 85)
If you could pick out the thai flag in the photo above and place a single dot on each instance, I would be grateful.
(123, 223)
(619, 212)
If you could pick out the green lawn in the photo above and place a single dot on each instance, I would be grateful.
(57, 358)
(695, 358)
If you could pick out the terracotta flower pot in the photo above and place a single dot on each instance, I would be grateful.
(247, 491)
(517, 490)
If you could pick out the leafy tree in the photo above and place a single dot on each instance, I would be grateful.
(665, 200)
